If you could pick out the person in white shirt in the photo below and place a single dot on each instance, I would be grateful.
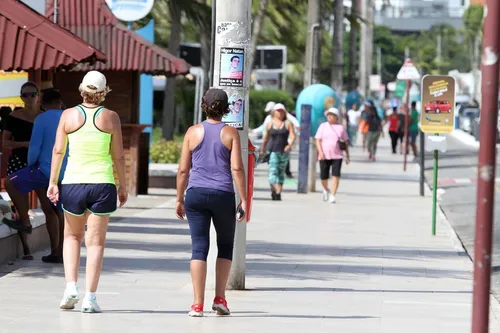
(353, 115)
(269, 107)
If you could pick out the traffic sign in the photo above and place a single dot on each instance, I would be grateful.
(408, 72)
(130, 10)
(438, 104)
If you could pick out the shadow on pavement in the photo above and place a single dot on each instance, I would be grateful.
(346, 290)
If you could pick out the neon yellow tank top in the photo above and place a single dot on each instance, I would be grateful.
(89, 159)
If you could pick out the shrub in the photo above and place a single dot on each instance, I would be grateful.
(163, 151)
(259, 99)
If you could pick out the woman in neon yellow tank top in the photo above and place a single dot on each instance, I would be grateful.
(88, 191)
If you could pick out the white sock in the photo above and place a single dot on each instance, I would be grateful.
(89, 295)
(70, 285)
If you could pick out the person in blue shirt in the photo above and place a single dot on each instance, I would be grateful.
(35, 177)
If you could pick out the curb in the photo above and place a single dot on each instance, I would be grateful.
(443, 220)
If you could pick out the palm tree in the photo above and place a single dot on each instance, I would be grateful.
(176, 10)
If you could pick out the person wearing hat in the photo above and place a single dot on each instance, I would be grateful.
(278, 142)
(210, 161)
(332, 141)
(88, 193)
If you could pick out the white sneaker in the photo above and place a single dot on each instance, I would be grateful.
(89, 305)
(69, 299)
(326, 194)
(332, 198)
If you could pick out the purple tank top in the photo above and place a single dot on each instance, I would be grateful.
(211, 161)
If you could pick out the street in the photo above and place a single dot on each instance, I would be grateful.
(457, 177)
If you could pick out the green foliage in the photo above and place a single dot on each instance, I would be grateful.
(473, 19)
(165, 151)
(259, 99)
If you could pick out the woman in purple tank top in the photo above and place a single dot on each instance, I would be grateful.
(210, 160)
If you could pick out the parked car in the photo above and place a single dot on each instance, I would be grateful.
(476, 128)
(467, 115)
(437, 106)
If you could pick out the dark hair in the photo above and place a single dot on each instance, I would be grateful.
(5, 111)
(394, 108)
(18, 108)
(234, 57)
(30, 84)
(51, 96)
(215, 111)
(413, 104)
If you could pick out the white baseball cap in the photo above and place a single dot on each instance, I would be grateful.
(332, 111)
(93, 82)
(270, 106)
(279, 106)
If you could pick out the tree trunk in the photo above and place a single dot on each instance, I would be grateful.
(257, 27)
(206, 48)
(168, 125)
(353, 47)
(338, 48)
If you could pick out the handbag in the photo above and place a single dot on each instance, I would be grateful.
(342, 144)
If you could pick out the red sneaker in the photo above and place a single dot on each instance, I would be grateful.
(220, 306)
(196, 310)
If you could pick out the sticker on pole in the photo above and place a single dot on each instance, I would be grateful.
(232, 61)
(438, 104)
(235, 117)
(408, 72)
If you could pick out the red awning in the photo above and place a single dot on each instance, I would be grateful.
(93, 21)
(29, 41)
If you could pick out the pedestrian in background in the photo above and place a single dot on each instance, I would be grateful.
(413, 128)
(374, 130)
(393, 121)
(354, 116)
(278, 142)
(331, 142)
(16, 138)
(210, 160)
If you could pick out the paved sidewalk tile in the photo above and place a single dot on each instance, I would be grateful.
(366, 264)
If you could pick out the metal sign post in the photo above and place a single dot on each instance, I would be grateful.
(305, 130)
(437, 117)
(231, 72)
(486, 169)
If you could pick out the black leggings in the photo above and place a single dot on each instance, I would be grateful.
(394, 140)
(203, 205)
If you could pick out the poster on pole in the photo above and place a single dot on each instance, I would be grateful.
(235, 117)
(438, 104)
(232, 62)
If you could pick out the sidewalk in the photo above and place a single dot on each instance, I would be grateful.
(365, 264)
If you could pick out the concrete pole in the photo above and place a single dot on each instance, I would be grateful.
(233, 32)
(369, 44)
(311, 73)
(485, 202)
(363, 49)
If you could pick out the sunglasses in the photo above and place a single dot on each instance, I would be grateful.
(29, 94)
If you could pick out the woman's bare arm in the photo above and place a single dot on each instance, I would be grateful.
(291, 133)
(117, 152)
(59, 149)
(184, 166)
(237, 167)
(10, 144)
(266, 138)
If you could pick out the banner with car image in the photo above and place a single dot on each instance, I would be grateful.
(438, 104)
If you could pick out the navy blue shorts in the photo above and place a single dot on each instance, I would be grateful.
(413, 136)
(30, 179)
(98, 199)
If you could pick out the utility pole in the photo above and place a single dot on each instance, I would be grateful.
(486, 169)
(311, 72)
(233, 38)
(379, 62)
(338, 47)
(353, 46)
(366, 47)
